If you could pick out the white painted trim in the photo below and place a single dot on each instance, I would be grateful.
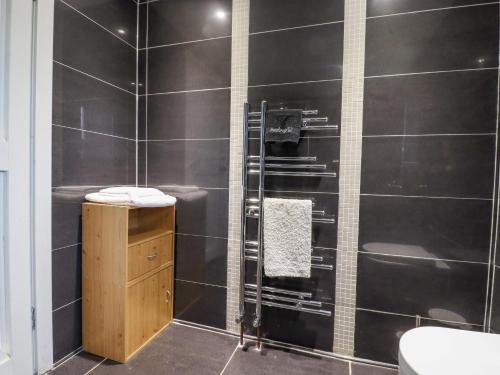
(42, 184)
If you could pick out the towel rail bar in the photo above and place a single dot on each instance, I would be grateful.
(306, 112)
(284, 158)
(305, 121)
(290, 166)
(291, 307)
(328, 267)
(295, 174)
(305, 127)
(272, 289)
(285, 299)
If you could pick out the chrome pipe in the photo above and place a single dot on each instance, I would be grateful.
(285, 158)
(271, 289)
(260, 234)
(241, 316)
(285, 299)
(290, 307)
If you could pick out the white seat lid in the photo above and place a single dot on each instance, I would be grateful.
(442, 351)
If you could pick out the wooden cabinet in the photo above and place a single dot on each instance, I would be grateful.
(128, 270)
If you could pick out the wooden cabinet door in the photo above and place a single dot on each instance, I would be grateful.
(148, 308)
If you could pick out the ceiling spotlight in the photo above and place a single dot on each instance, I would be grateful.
(121, 31)
(220, 14)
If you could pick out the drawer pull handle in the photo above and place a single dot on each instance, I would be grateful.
(168, 296)
(152, 257)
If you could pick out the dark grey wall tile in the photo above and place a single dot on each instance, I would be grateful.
(82, 102)
(200, 211)
(326, 97)
(436, 289)
(67, 215)
(199, 163)
(190, 115)
(201, 259)
(460, 38)
(277, 14)
(298, 55)
(296, 328)
(495, 310)
(67, 330)
(142, 59)
(80, 158)
(66, 275)
(429, 228)
(447, 103)
(191, 66)
(378, 8)
(117, 16)
(188, 20)
(81, 44)
(202, 304)
(377, 335)
(453, 166)
(142, 26)
(141, 163)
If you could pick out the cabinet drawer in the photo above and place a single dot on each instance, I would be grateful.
(148, 256)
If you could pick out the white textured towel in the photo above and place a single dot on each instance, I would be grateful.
(287, 237)
(134, 196)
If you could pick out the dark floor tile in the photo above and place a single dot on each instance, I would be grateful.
(66, 275)
(191, 66)
(451, 291)
(117, 16)
(78, 365)
(277, 14)
(377, 335)
(202, 163)
(81, 44)
(192, 115)
(360, 369)
(201, 259)
(378, 8)
(447, 103)
(272, 360)
(85, 103)
(460, 38)
(67, 330)
(297, 55)
(444, 166)
(326, 97)
(178, 350)
(454, 229)
(188, 20)
(201, 304)
(81, 158)
(201, 212)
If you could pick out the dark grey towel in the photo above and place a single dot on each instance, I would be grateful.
(283, 125)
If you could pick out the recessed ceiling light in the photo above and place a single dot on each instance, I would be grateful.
(220, 14)
(121, 31)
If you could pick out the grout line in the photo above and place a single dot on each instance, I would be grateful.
(428, 135)
(184, 91)
(230, 358)
(94, 77)
(186, 42)
(66, 358)
(422, 317)
(431, 72)
(423, 258)
(98, 24)
(185, 139)
(296, 27)
(93, 132)
(137, 27)
(196, 282)
(146, 109)
(295, 83)
(66, 247)
(424, 197)
(432, 10)
(96, 366)
(67, 304)
(199, 235)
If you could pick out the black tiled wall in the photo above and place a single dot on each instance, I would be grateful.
(430, 116)
(93, 135)
(295, 60)
(184, 108)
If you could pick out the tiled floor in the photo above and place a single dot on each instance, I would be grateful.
(184, 350)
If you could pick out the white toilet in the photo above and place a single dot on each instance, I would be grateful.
(445, 351)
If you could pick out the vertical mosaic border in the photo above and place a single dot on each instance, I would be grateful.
(239, 89)
(350, 175)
